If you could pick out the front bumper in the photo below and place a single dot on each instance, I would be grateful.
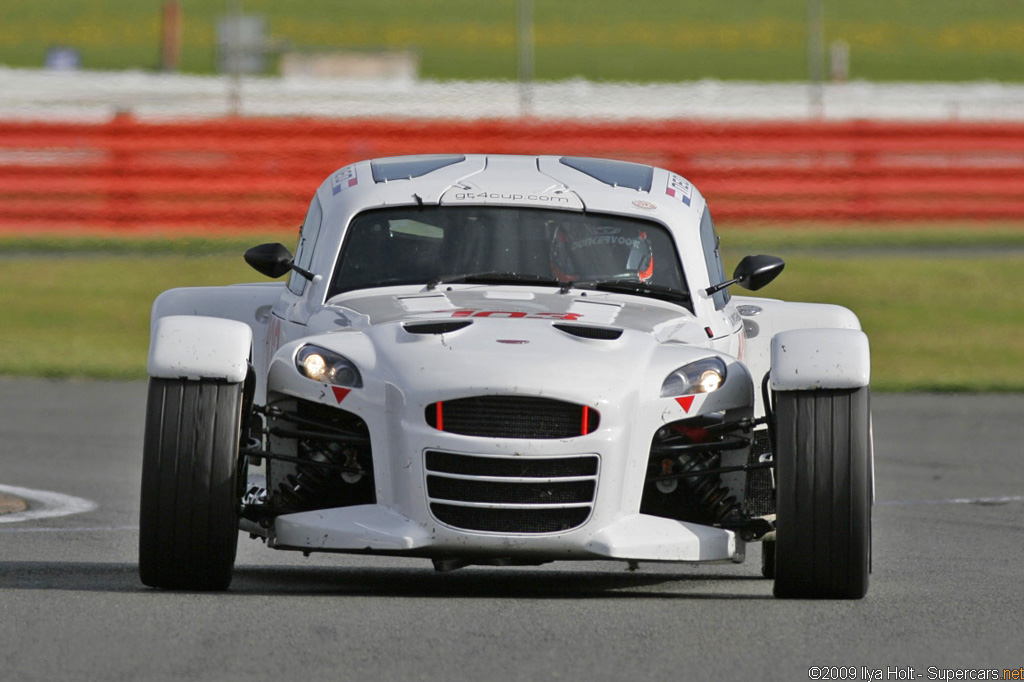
(410, 517)
(375, 529)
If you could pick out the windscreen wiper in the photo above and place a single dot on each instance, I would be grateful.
(495, 278)
(628, 286)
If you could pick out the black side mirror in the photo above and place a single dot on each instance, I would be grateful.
(274, 260)
(752, 273)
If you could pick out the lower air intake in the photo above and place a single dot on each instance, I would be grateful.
(501, 494)
(509, 520)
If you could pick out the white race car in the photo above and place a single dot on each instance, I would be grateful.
(507, 360)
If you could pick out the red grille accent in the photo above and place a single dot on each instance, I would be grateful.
(510, 416)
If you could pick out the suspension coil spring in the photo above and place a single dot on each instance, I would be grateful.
(313, 486)
(709, 492)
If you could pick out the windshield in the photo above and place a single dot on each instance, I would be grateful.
(413, 245)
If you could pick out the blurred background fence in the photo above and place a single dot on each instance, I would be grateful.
(187, 113)
(261, 173)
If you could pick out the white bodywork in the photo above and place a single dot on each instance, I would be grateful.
(511, 347)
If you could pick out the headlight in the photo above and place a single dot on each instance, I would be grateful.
(320, 364)
(702, 376)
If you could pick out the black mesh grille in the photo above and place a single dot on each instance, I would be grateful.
(760, 497)
(457, 482)
(511, 520)
(436, 327)
(555, 492)
(511, 467)
(587, 332)
(504, 416)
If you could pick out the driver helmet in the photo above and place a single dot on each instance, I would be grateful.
(597, 252)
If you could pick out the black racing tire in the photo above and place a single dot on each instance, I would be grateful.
(188, 521)
(823, 479)
(768, 559)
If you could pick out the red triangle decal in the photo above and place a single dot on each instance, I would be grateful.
(685, 402)
(340, 393)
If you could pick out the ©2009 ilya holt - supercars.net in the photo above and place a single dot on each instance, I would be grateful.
(507, 360)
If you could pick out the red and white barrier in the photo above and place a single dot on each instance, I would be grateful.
(260, 173)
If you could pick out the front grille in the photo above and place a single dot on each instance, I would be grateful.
(510, 521)
(511, 494)
(517, 493)
(511, 467)
(510, 416)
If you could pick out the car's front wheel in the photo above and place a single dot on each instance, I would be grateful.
(188, 522)
(823, 479)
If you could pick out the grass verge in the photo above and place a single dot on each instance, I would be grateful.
(659, 40)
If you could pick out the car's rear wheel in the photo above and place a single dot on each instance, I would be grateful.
(823, 476)
(188, 522)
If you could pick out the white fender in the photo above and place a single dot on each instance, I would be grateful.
(812, 359)
(198, 347)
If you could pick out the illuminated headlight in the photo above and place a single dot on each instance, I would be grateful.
(702, 376)
(320, 364)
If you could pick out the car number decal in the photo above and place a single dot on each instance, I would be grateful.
(514, 314)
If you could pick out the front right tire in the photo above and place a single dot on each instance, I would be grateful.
(823, 484)
(188, 521)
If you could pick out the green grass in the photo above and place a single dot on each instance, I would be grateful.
(659, 40)
(79, 306)
(88, 315)
(938, 302)
(883, 238)
(87, 244)
(940, 317)
(935, 322)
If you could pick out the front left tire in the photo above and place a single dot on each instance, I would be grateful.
(824, 484)
(188, 521)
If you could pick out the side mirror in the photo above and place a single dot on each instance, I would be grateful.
(752, 273)
(274, 260)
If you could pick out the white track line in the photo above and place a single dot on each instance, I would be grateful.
(84, 529)
(44, 504)
(957, 500)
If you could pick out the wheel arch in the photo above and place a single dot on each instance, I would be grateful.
(249, 304)
(817, 359)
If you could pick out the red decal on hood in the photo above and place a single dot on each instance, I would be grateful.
(340, 393)
(686, 402)
(469, 312)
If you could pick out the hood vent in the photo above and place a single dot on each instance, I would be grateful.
(436, 327)
(587, 332)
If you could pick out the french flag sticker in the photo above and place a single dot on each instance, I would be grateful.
(679, 189)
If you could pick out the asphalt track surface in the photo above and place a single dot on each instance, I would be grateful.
(947, 591)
